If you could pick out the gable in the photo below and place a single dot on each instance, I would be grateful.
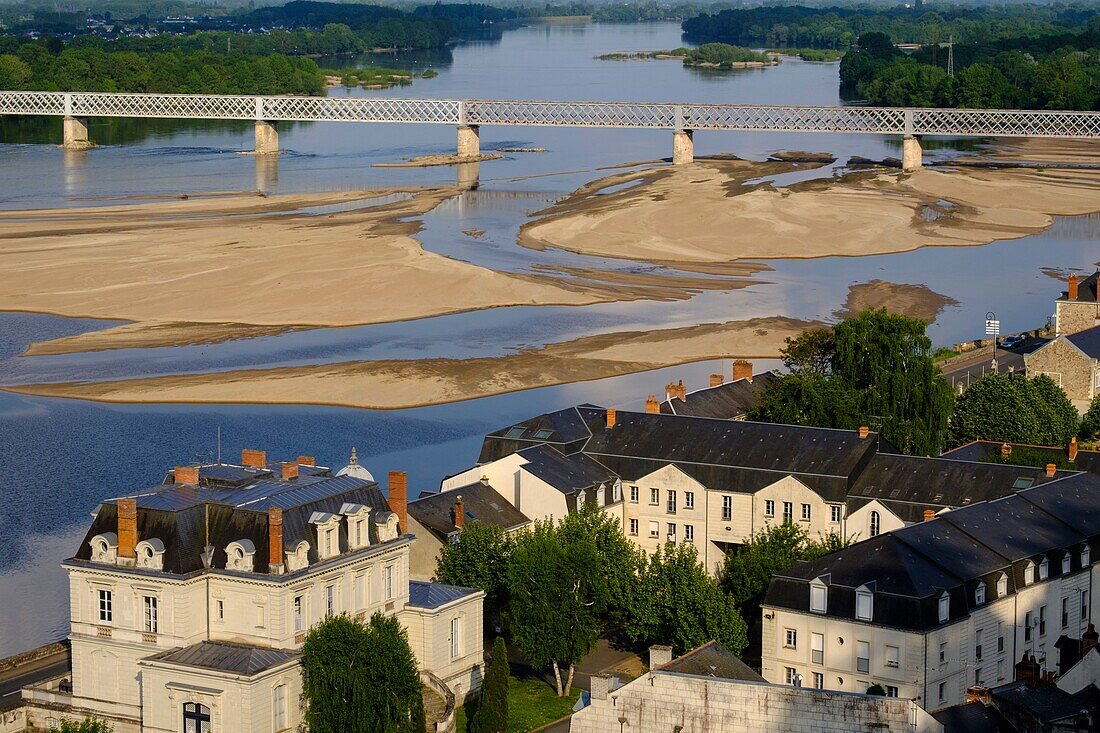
(672, 475)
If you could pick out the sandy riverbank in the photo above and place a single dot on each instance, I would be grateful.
(709, 212)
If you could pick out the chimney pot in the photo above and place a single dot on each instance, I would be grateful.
(290, 470)
(185, 475)
(716, 380)
(307, 461)
(742, 369)
(652, 406)
(275, 540)
(1073, 448)
(1051, 469)
(253, 458)
(864, 431)
(612, 415)
(929, 514)
(1071, 289)
(127, 528)
(399, 498)
(460, 513)
(681, 391)
(1006, 451)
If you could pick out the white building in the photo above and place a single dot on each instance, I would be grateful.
(190, 600)
(934, 608)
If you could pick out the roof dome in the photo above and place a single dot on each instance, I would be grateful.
(354, 470)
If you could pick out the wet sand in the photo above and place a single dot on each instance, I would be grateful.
(712, 211)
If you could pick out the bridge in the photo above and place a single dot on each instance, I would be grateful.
(469, 115)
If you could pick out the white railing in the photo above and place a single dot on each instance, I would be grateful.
(878, 120)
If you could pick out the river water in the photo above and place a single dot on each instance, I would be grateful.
(62, 457)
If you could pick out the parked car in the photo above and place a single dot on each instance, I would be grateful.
(1011, 342)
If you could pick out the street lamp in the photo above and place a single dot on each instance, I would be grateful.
(993, 328)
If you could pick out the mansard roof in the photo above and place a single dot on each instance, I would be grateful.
(725, 401)
(226, 656)
(423, 594)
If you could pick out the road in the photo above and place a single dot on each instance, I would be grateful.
(11, 683)
(1008, 360)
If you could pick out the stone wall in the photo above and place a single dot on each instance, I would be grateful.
(1065, 364)
(1074, 317)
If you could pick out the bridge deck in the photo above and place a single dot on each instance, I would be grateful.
(877, 120)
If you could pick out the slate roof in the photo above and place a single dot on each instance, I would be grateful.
(480, 502)
(228, 657)
(233, 505)
(565, 429)
(1046, 703)
(1086, 290)
(1087, 341)
(713, 660)
(973, 717)
(910, 568)
(567, 474)
(727, 401)
(436, 595)
(982, 450)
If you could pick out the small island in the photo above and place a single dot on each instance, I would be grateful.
(707, 56)
(810, 54)
(372, 77)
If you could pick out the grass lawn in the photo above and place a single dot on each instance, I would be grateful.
(531, 703)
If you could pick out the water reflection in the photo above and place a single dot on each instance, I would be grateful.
(267, 172)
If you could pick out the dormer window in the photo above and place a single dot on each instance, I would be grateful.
(240, 555)
(297, 557)
(945, 607)
(1066, 563)
(150, 554)
(819, 596)
(865, 604)
(358, 527)
(979, 594)
(1044, 569)
(105, 548)
(385, 524)
(1029, 573)
(328, 534)
(1002, 586)
(1085, 561)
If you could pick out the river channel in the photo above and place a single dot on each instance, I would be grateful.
(62, 457)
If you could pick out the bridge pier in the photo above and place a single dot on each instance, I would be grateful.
(267, 138)
(911, 154)
(74, 132)
(469, 141)
(683, 147)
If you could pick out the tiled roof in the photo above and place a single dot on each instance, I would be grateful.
(228, 657)
(713, 660)
(423, 594)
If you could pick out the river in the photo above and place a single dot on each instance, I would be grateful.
(62, 457)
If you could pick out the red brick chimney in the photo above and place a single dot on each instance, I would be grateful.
(127, 528)
(716, 380)
(681, 390)
(652, 406)
(1073, 448)
(460, 513)
(253, 458)
(1051, 469)
(289, 470)
(1071, 290)
(979, 693)
(1089, 639)
(612, 416)
(1028, 670)
(742, 370)
(929, 514)
(275, 539)
(864, 431)
(399, 498)
(1006, 451)
(307, 461)
(189, 474)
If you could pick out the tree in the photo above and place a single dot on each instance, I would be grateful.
(361, 678)
(1090, 423)
(1013, 409)
(876, 689)
(553, 583)
(619, 560)
(810, 353)
(88, 725)
(479, 559)
(682, 606)
(492, 711)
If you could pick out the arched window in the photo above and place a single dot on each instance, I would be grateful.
(280, 716)
(1002, 586)
(875, 524)
(196, 718)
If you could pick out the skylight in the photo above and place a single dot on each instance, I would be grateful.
(1023, 483)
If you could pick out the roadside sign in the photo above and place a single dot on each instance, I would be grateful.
(992, 328)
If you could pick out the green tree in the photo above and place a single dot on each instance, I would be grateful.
(479, 559)
(88, 725)
(492, 711)
(1090, 423)
(810, 353)
(1013, 409)
(14, 72)
(554, 583)
(682, 606)
(618, 560)
(361, 678)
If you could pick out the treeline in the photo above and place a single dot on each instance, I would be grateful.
(1050, 72)
(33, 66)
(839, 27)
(723, 55)
(308, 27)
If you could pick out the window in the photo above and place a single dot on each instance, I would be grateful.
(196, 718)
(835, 512)
(1065, 564)
(805, 512)
(150, 605)
(219, 609)
(456, 637)
(279, 717)
(791, 675)
(817, 648)
(106, 612)
(1084, 606)
(330, 600)
(978, 676)
(634, 494)
(261, 617)
(1085, 557)
(387, 581)
(864, 605)
(819, 681)
(654, 529)
(654, 496)
(329, 552)
(670, 506)
(359, 533)
(1027, 626)
(727, 508)
(1000, 669)
(297, 611)
(1029, 573)
(671, 531)
(790, 639)
(1002, 586)
(892, 656)
(359, 591)
(943, 653)
(891, 691)
(863, 656)
(978, 645)
(769, 508)
(689, 532)
(945, 607)
(689, 500)
(943, 690)
(875, 524)
(1065, 613)
(788, 512)
(543, 434)
(818, 597)
(979, 594)
(634, 527)
(1000, 638)
(1042, 620)
(1044, 569)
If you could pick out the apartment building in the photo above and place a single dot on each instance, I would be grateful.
(721, 399)
(936, 607)
(190, 600)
